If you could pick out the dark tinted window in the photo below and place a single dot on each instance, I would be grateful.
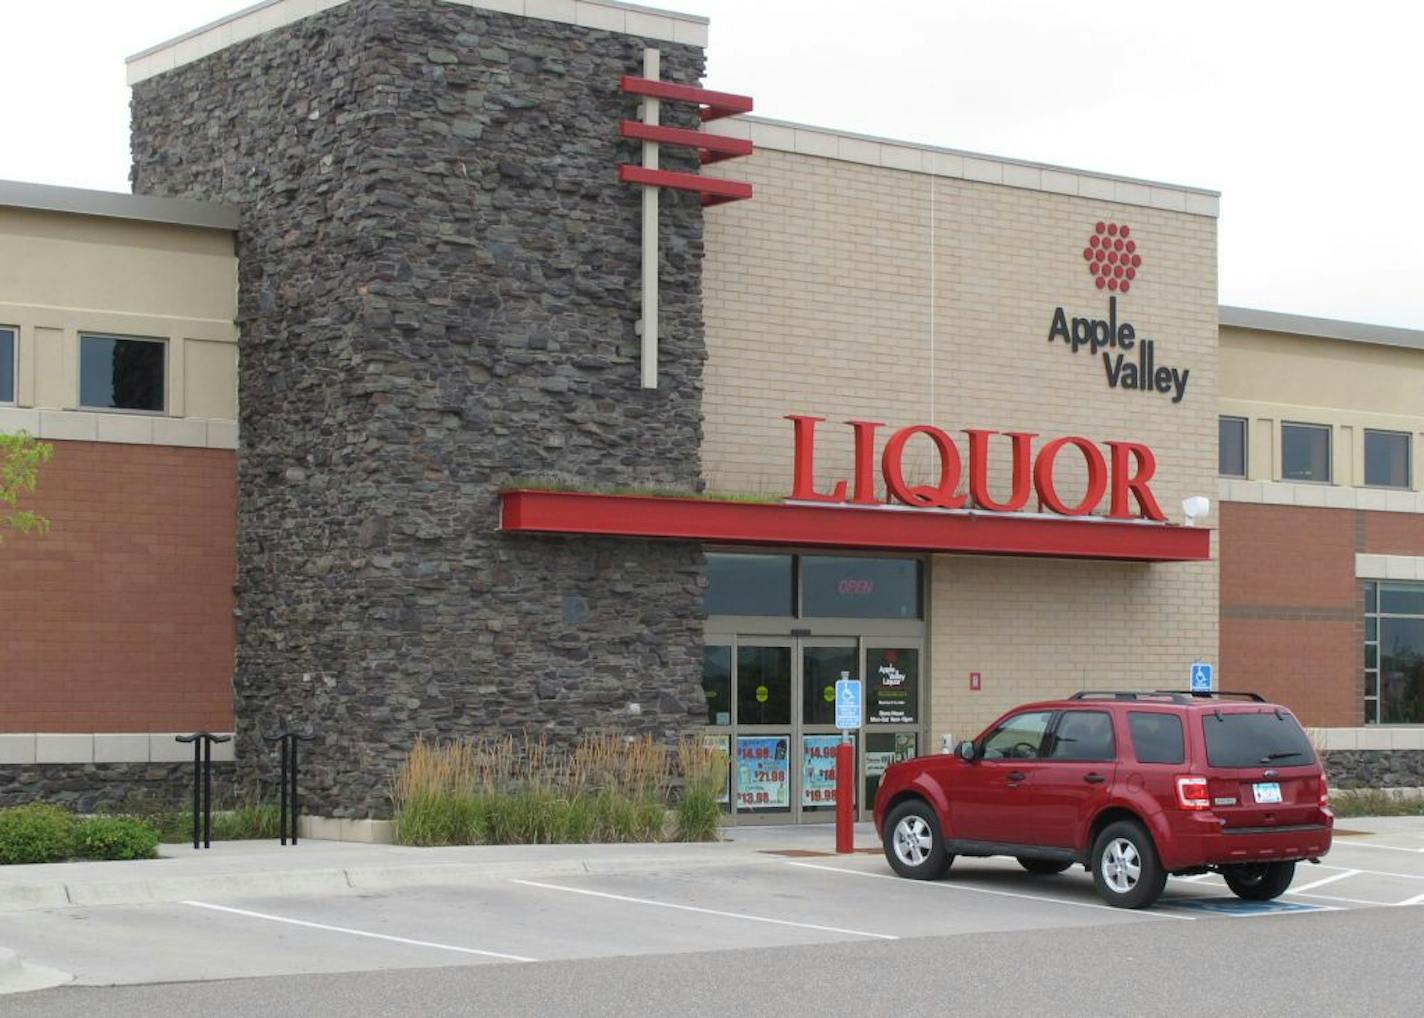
(763, 685)
(1084, 735)
(748, 585)
(1401, 673)
(1263, 739)
(1305, 452)
(1231, 446)
(1401, 598)
(860, 588)
(122, 374)
(1157, 738)
(7, 365)
(1387, 458)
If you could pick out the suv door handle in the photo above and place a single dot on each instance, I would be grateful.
(1094, 779)
(1017, 775)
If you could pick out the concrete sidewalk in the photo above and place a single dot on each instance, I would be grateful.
(242, 868)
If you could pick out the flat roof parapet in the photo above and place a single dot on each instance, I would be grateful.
(116, 205)
(611, 15)
(1323, 328)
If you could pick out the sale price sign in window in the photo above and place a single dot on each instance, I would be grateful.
(818, 770)
(763, 772)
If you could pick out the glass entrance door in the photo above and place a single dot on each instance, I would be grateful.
(771, 709)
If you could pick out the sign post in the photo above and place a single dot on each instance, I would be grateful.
(849, 708)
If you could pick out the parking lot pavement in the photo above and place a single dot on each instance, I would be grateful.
(804, 899)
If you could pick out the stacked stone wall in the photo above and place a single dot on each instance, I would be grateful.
(438, 299)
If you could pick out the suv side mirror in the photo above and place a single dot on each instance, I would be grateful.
(966, 750)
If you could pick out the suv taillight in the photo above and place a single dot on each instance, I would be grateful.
(1192, 793)
(1324, 792)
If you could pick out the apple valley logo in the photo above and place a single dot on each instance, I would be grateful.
(1112, 258)
(1113, 261)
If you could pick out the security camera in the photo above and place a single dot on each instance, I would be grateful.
(1194, 507)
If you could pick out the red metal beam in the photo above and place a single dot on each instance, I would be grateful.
(911, 530)
(714, 190)
(714, 147)
(715, 104)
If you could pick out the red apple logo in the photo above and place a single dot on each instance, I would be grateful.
(1112, 256)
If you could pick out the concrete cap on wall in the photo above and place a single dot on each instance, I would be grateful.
(115, 205)
(1324, 328)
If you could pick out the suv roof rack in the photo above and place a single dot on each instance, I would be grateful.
(1114, 694)
(1207, 695)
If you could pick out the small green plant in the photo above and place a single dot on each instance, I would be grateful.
(1373, 802)
(115, 838)
(704, 776)
(34, 833)
(20, 459)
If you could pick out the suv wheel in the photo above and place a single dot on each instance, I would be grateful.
(1044, 867)
(913, 843)
(1126, 870)
(1260, 881)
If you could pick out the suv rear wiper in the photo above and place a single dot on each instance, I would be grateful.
(1279, 756)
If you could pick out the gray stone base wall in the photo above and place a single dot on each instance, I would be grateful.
(1375, 768)
(89, 788)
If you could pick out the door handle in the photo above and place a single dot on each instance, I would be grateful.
(1017, 775)
(1094, 779)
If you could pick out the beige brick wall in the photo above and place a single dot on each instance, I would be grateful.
(818, 301)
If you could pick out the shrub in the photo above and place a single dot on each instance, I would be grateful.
(704, 776)
(1373, 802)
(35, 833)
(115, 838)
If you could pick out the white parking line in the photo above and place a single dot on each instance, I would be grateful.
(1001, 894)
(1375, 873)
(356, 933)
(1418, 899)
(1369, 844)
(704, 911)
(1345, 875)
(1352, 901)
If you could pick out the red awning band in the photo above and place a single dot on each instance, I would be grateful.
(910, 530)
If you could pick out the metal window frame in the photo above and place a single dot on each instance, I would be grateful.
(1373, 674)
(1329, 430)
(1245, 445)
(167, 373)
(14, 331)
(1408, 437)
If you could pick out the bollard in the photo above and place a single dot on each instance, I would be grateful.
(203, 782)
(289, 740)
(845, 796)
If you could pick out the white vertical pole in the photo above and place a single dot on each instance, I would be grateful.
(651, 70)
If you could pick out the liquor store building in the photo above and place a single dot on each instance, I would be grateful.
(475, 457)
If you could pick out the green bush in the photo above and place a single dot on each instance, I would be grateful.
(698, 813)
(115, 838)
(35, 833)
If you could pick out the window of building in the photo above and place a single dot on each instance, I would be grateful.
(1387, 458)
(120, 373)
(7, 364)
(749, 584)
(1305, 452)
(860, 588)
(814, 586)
(1231, 446)
(1394, 653)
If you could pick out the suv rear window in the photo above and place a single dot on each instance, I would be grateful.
(1156, 738)
(1255, 740)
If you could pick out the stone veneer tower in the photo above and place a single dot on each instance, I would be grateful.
(438, 297)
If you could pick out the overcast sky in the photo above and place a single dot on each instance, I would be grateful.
(1305, 115)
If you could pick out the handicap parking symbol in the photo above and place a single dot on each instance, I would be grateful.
(1201, 677)
(1238, 907)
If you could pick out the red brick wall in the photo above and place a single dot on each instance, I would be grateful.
(1292, 613)
(1292, 623)
(120, 618)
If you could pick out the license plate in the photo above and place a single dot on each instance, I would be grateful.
(1268, 791)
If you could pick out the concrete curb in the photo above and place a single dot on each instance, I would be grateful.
(150, 889)
(17, 977)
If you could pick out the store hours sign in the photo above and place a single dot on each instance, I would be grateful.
(893, 687)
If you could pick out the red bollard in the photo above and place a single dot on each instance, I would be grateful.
(845, 797)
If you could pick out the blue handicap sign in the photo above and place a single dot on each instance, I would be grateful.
(1239, 907)
(1201, 677)
(848, 703)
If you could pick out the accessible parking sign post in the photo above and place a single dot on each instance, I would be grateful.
(848, 715)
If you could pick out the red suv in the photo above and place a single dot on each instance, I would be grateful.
(1132, 785)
